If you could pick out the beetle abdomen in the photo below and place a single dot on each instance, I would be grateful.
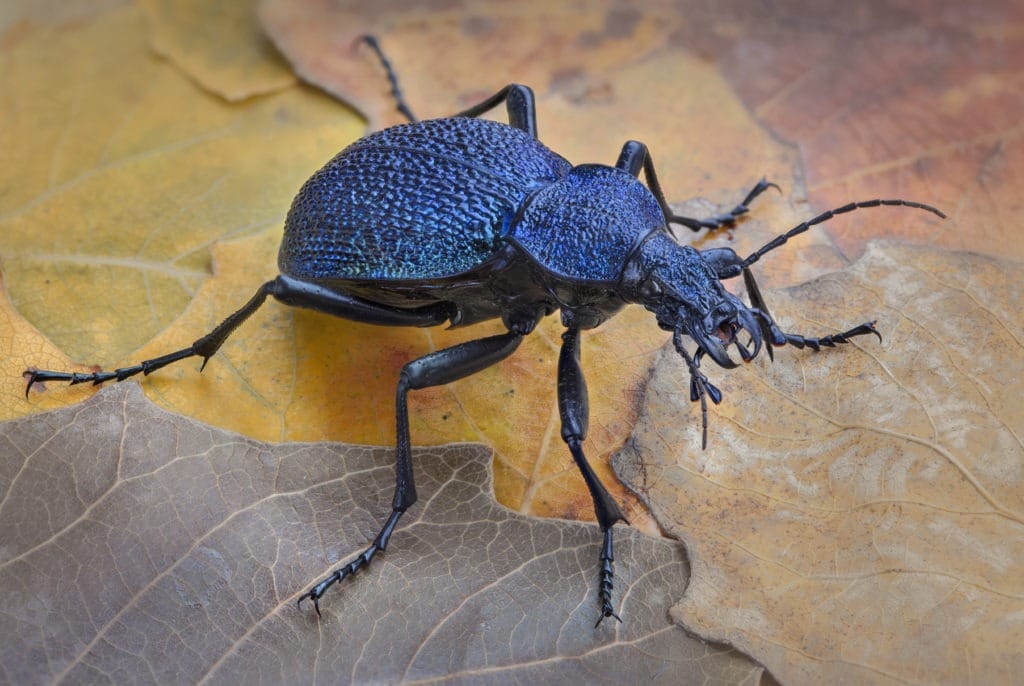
(420, 201)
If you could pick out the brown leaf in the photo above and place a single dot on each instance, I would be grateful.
(139, 544)
(857, 516)
(906, 98)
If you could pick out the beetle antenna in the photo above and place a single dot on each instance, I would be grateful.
(824, 217)
(396, 91)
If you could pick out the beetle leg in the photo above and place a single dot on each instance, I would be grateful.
(518, 99)
(800, 342)
(773, 336)
(727, 219)
(636, 157)
(204, 347)
(574, 411)
(285, 289)
(396, 91)
(434, 369)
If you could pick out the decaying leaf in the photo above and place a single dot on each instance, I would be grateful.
(126, 532)
(858, 515)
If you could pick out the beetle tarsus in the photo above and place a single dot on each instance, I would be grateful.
(830, 341)
(730, 217)
(379, 545)
(396, 91)
(606, 585)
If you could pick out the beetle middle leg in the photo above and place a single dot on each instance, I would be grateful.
(434, 369)
(573, 408)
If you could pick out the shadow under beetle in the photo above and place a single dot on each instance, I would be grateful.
(460, 220)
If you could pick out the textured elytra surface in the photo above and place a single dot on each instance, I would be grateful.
(128, 531)
(419, 201)
(858, 515)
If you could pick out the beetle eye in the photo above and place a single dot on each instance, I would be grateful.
(650, 289)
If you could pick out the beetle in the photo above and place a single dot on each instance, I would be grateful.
(460, 220)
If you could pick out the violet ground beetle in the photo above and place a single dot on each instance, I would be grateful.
(460, 220)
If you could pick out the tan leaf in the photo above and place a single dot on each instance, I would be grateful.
(112, 197)
(140, 544)
(857, 516)
(219, 44)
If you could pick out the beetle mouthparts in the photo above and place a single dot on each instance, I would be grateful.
(716, 340)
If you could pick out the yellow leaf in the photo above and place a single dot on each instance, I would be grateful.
(220, 44)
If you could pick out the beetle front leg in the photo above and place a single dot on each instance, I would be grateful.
(434, 369)
(636, 157)
(573, 408)
(774, 336)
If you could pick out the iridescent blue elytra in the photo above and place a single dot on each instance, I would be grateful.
(427, 200)
(478, 215)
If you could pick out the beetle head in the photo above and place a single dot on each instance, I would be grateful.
(680, 287)
(675, 283)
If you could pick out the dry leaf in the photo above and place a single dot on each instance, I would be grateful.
(219, 44)
(857, 516)
(907, 98)
(137, 544)
(113, 198)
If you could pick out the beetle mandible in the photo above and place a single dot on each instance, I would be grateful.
(459, 220)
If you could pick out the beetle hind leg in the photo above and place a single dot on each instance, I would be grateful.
(396, 91)
(519, 103)
(434, 369)
(204, 347)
